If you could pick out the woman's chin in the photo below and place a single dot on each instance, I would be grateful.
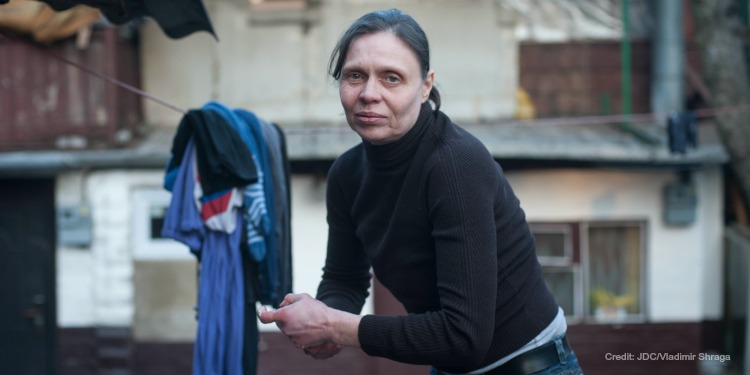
(372, 134)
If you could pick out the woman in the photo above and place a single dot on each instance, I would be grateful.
(422, 203)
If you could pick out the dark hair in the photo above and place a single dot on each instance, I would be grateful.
(395, 21)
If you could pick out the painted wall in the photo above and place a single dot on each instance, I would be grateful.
(117, 282)
(683, 263)
(278, 68)
(125, 279)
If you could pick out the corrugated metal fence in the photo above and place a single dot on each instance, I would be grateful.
(46, 103)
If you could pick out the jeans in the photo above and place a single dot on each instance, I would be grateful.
(567, 365)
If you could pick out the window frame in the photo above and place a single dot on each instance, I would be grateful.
(283, 12)
(566, 230)
(577, 255)
(143, 246)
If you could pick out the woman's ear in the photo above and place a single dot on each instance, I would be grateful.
(427, 85)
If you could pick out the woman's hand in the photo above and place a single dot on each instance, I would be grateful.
(323, 351)
(302, 319)
(310, 324)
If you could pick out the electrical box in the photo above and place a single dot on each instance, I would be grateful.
(74, 226)
(680, 201)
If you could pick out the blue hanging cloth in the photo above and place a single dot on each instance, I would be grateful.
(219, 154)
(219, 340)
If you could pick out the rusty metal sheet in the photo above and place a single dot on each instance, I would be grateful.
(47, 103)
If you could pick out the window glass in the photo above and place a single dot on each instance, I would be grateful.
(149, 210)
(554, 250)
(550, 244)
(277, 4)
(561, 281)
(614, 271)
(156, 219)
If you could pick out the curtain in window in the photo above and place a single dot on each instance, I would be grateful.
(614, 270)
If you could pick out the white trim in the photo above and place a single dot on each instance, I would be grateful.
(565, 230)
(144, 247)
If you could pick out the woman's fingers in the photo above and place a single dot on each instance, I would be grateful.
(301, 318)
(292, 298)
(323, 351)
(265, 315)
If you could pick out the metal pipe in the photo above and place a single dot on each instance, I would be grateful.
(625, 57)
(668, 49)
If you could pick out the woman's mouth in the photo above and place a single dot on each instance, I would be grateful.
(368, 117)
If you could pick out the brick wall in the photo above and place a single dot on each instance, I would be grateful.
(583, 78)
(90, 351)
(105, 350)
(96, 351)
(592, 344)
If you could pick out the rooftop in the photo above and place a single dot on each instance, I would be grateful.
(543, 140)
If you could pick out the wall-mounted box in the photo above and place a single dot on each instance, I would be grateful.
(74, 226)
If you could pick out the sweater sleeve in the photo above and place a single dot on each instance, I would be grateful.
(462, 183)
(346, 274)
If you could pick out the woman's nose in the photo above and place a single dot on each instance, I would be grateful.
(370, 90)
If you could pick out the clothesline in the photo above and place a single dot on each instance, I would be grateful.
(556, 121)
(99, 75)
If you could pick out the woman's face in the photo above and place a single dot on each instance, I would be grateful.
(382, 88)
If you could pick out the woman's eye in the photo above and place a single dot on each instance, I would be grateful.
(392, 79)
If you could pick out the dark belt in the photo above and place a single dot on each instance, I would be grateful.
(532, 361)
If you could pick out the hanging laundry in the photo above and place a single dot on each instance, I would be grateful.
(44, 24)
(276, 142)
(229, 166)
(258, 223)
(262, 237)
(268, 269)
(219, 340)
(218, 210)
(176, 18)
(222, 163)
(682, 131)
(221, 154)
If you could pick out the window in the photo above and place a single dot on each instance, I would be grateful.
(614, 270)
(149, 209)
(156, 221)
(277, 4)
(281, 12)
(594, 269)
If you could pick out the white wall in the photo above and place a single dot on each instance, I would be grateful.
(75, 276)
(96, 285)
(711, 220)
(279, 70)
(683, 280)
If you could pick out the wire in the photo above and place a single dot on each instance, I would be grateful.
(99, 75)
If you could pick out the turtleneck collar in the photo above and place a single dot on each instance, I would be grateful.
(395, 153)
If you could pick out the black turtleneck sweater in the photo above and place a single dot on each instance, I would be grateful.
(439, 224)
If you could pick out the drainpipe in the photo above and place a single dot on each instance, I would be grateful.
(625, 65)
(668, 49)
